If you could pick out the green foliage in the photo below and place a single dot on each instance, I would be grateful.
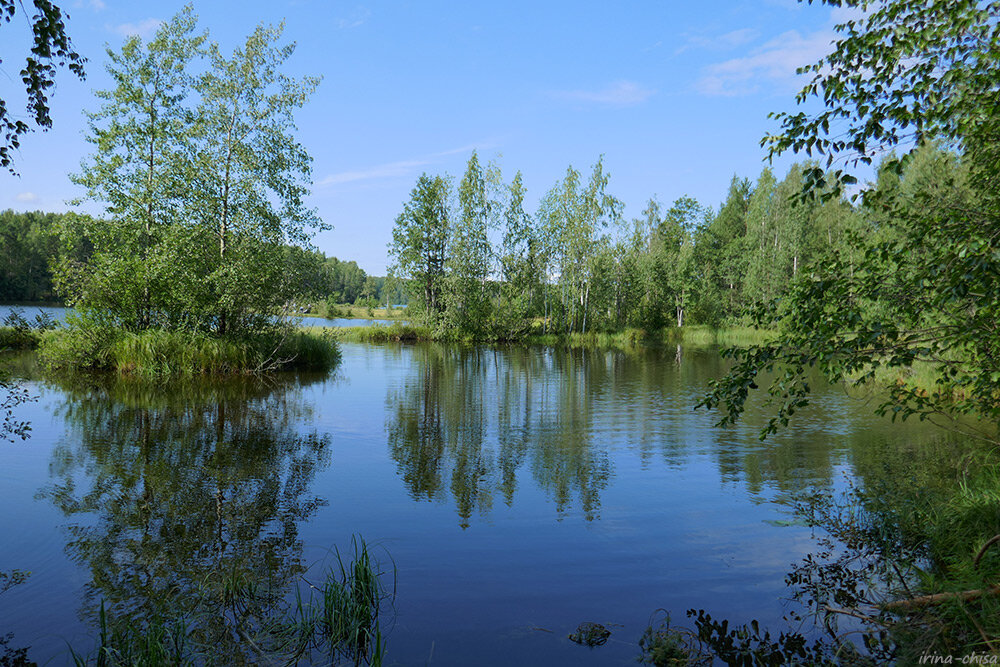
(520, 280)
(420, 242)
(918, 290)
(469, 266)
(202, 185)
(921, 290)
(922, 287)
(352, 601)
(930, 72)
(572, 219)
(576, 267)
(27, 242)
(51, 49)
(16, 338)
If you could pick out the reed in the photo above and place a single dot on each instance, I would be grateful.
(158, 353)
(351, 605)
(340, 623)
(400, 333)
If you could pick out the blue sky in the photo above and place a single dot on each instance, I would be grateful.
(674, 94)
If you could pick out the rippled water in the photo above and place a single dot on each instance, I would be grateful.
(518, 491)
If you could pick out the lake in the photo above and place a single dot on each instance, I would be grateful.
(517, 491)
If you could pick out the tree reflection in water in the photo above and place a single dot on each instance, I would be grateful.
(185, 502)
(467, 421)
(469, 418)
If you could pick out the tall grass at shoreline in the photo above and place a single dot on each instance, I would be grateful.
(695, 336)
(396, 332)
(157, 352)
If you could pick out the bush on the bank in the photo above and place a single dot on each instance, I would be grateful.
(14, 338)
(159, 352)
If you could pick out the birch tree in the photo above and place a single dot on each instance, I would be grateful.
(250, 176)
(419, 247)
(141, 135)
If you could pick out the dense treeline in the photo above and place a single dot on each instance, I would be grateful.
(28, 243)
(336, 281)
(33, 242)
(478, 265)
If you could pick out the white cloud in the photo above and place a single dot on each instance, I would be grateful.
(468, 148)
(97, 5)
(401, 167)
(388, 170)
(774, 63)
(142, 29)
(356, 18)
(727, 40)
(27, 197)
(619, 94)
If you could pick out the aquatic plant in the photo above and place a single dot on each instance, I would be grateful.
(664, 646)
(343, 623)
(351, 603)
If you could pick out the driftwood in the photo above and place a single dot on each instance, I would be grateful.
(912, 604)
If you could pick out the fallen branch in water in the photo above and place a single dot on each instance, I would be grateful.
(982, 552)
(937, 598)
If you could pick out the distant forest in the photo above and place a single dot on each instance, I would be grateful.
(31, 242)
(478, 265)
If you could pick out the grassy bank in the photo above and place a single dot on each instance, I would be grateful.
(694, 336)
(349, 311)
(399, 333)
(158, 352)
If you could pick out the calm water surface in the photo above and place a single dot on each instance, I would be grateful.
(519, 492)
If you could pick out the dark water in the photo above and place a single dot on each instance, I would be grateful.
(519, 492)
